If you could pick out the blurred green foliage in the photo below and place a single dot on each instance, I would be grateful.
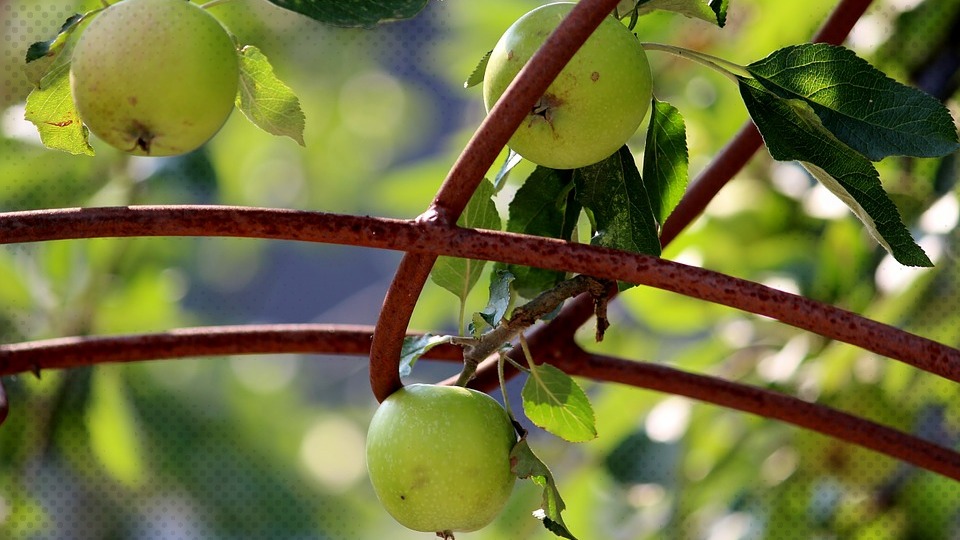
(271, 446)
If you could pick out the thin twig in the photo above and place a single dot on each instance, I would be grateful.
(774, 405)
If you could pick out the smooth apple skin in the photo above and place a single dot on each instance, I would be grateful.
(439, 457)
(154, 77)
(592, 108)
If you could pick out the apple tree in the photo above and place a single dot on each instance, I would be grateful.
(702, 252)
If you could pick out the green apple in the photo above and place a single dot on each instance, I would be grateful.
(592, 108)
(439, 457)
(154, 77)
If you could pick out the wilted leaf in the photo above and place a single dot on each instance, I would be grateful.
(416, 346)
(50, 107)
(712, 11)
(500, 298)
(525, 464)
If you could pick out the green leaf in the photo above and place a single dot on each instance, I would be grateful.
(512, 160)
(500, 298)
(43, 56)
(112, 426)
(355, 13)
(50, 107)
(868, 111)
(665, 159)
(525, 464)
(555, 402)
(265, 100)
(543, 206)
(614, 193)
(476, 77)
(793, 132)
(712, 11)
(460, 275)
(416, 346)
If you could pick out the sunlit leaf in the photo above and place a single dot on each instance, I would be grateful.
(265, 100)
(555, 402)
(793, 132)
(665, 159)
(870, 112)
(476, 77)
(50, 107)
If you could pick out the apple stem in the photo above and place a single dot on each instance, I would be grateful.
(732, 70)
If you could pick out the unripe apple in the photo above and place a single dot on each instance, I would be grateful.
(594, 105)
(154, 77)
(439, 457)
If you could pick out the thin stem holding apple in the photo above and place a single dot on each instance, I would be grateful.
(729, 69)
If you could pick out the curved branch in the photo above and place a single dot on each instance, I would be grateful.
(355, 340)
(439, 239)
(572, 359)
(395, 313)
(769, 404)
(465, 175)
(73, 352)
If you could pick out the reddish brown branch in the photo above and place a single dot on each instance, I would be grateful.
(355, 340)
(769, 404)
(393, 320)
(571, 358)
(438, 239)
(465, 175)
(73, 352)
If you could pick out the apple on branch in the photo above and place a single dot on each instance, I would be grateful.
(154, 77)
(592, 108)
(439, 457)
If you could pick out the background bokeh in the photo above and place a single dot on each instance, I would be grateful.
(272, 446)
